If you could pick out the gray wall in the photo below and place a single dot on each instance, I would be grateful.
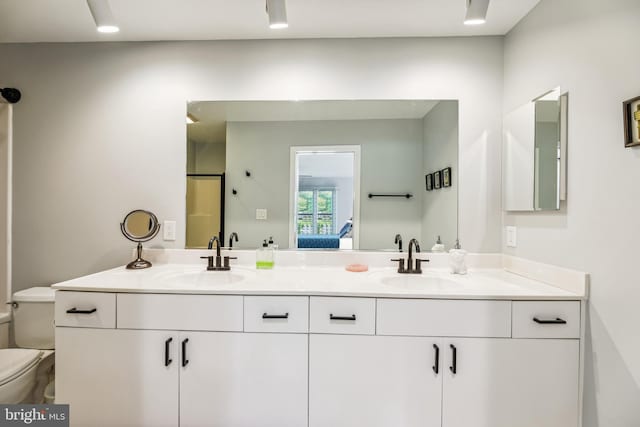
(391, 161)
(587, 48)
(546, 140)
(440, 207)
(206, 157)
(4, 199)
(101, 128)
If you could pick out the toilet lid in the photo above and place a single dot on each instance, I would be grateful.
(13, 361)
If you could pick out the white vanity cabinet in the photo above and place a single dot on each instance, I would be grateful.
(115, 377)
(510, 382)
(316, 361)
(243, 379)
(374, 381)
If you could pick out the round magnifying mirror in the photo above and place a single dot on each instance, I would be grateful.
(139, 226)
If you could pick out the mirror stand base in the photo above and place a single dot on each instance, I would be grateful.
(138, 264)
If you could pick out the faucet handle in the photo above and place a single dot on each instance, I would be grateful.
(419, 262)
(400, 262)
(226, 261)
(209, 261)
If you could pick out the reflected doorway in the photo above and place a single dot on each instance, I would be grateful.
(325, 189)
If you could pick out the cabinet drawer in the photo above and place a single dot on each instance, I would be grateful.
(180, 312)
(450, 318)
(85, 309)
(333, 315)
(546, 319)
(276, 314)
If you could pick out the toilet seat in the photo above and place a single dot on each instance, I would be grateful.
(16, 361)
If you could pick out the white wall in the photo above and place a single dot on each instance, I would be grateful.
(440, 207)
(589, 48)
(391, 161)
(101, 128)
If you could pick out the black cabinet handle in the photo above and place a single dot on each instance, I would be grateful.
(167, 361)
(185, 361)
(454, 359)
(436, 366)
(275, 316)
(556, 321)
(76, 311)
(352, 317)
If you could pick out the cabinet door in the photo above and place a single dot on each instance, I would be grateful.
(115, 377)
(374, 381)
(243, 380)
(511, 382)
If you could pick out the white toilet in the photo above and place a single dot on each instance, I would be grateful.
(25, 371)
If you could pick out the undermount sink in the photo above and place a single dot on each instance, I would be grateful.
(416, 281)
(201, 277)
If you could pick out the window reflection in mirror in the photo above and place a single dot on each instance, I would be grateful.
(325, 189)
(401, 141)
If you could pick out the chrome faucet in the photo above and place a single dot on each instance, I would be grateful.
(399, 242)
(231, 237)
(413, 266)
(218, 258)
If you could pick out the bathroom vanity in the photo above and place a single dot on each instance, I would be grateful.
(318, 346)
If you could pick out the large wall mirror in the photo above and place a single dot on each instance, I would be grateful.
(535, 154)
(322, 174)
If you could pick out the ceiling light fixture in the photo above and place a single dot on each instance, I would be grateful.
(476, 12)
(191, 119)
(103, 17)
(277, 11)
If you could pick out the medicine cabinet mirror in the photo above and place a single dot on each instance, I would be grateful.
(535, 154)
(239, 173)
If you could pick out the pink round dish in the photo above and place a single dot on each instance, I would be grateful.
(357, 268)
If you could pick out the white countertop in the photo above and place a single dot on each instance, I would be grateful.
(485, 283)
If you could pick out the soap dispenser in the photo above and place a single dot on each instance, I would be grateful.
(272, 244)
(438, 247)
(457, 259)
(264, 257)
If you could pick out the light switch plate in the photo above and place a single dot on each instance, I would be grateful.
(261, 214)
(512, 236)
(169, 230)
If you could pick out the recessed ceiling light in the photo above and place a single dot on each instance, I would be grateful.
(103, 17)
(277, 11)
(476, 12)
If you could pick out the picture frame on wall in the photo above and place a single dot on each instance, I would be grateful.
(429, 181)
(437, 180)
(446, 177)
(631, 118)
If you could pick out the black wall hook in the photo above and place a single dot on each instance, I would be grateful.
(247, 173)
(233, 190)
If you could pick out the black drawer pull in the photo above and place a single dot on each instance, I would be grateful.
(454, 359)
(275, 316)
(76, 311)
(352, 317)
(185, 361)
(167, 361)
(436, 366)
(557, 321)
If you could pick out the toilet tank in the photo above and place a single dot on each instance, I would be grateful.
(33, 318)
